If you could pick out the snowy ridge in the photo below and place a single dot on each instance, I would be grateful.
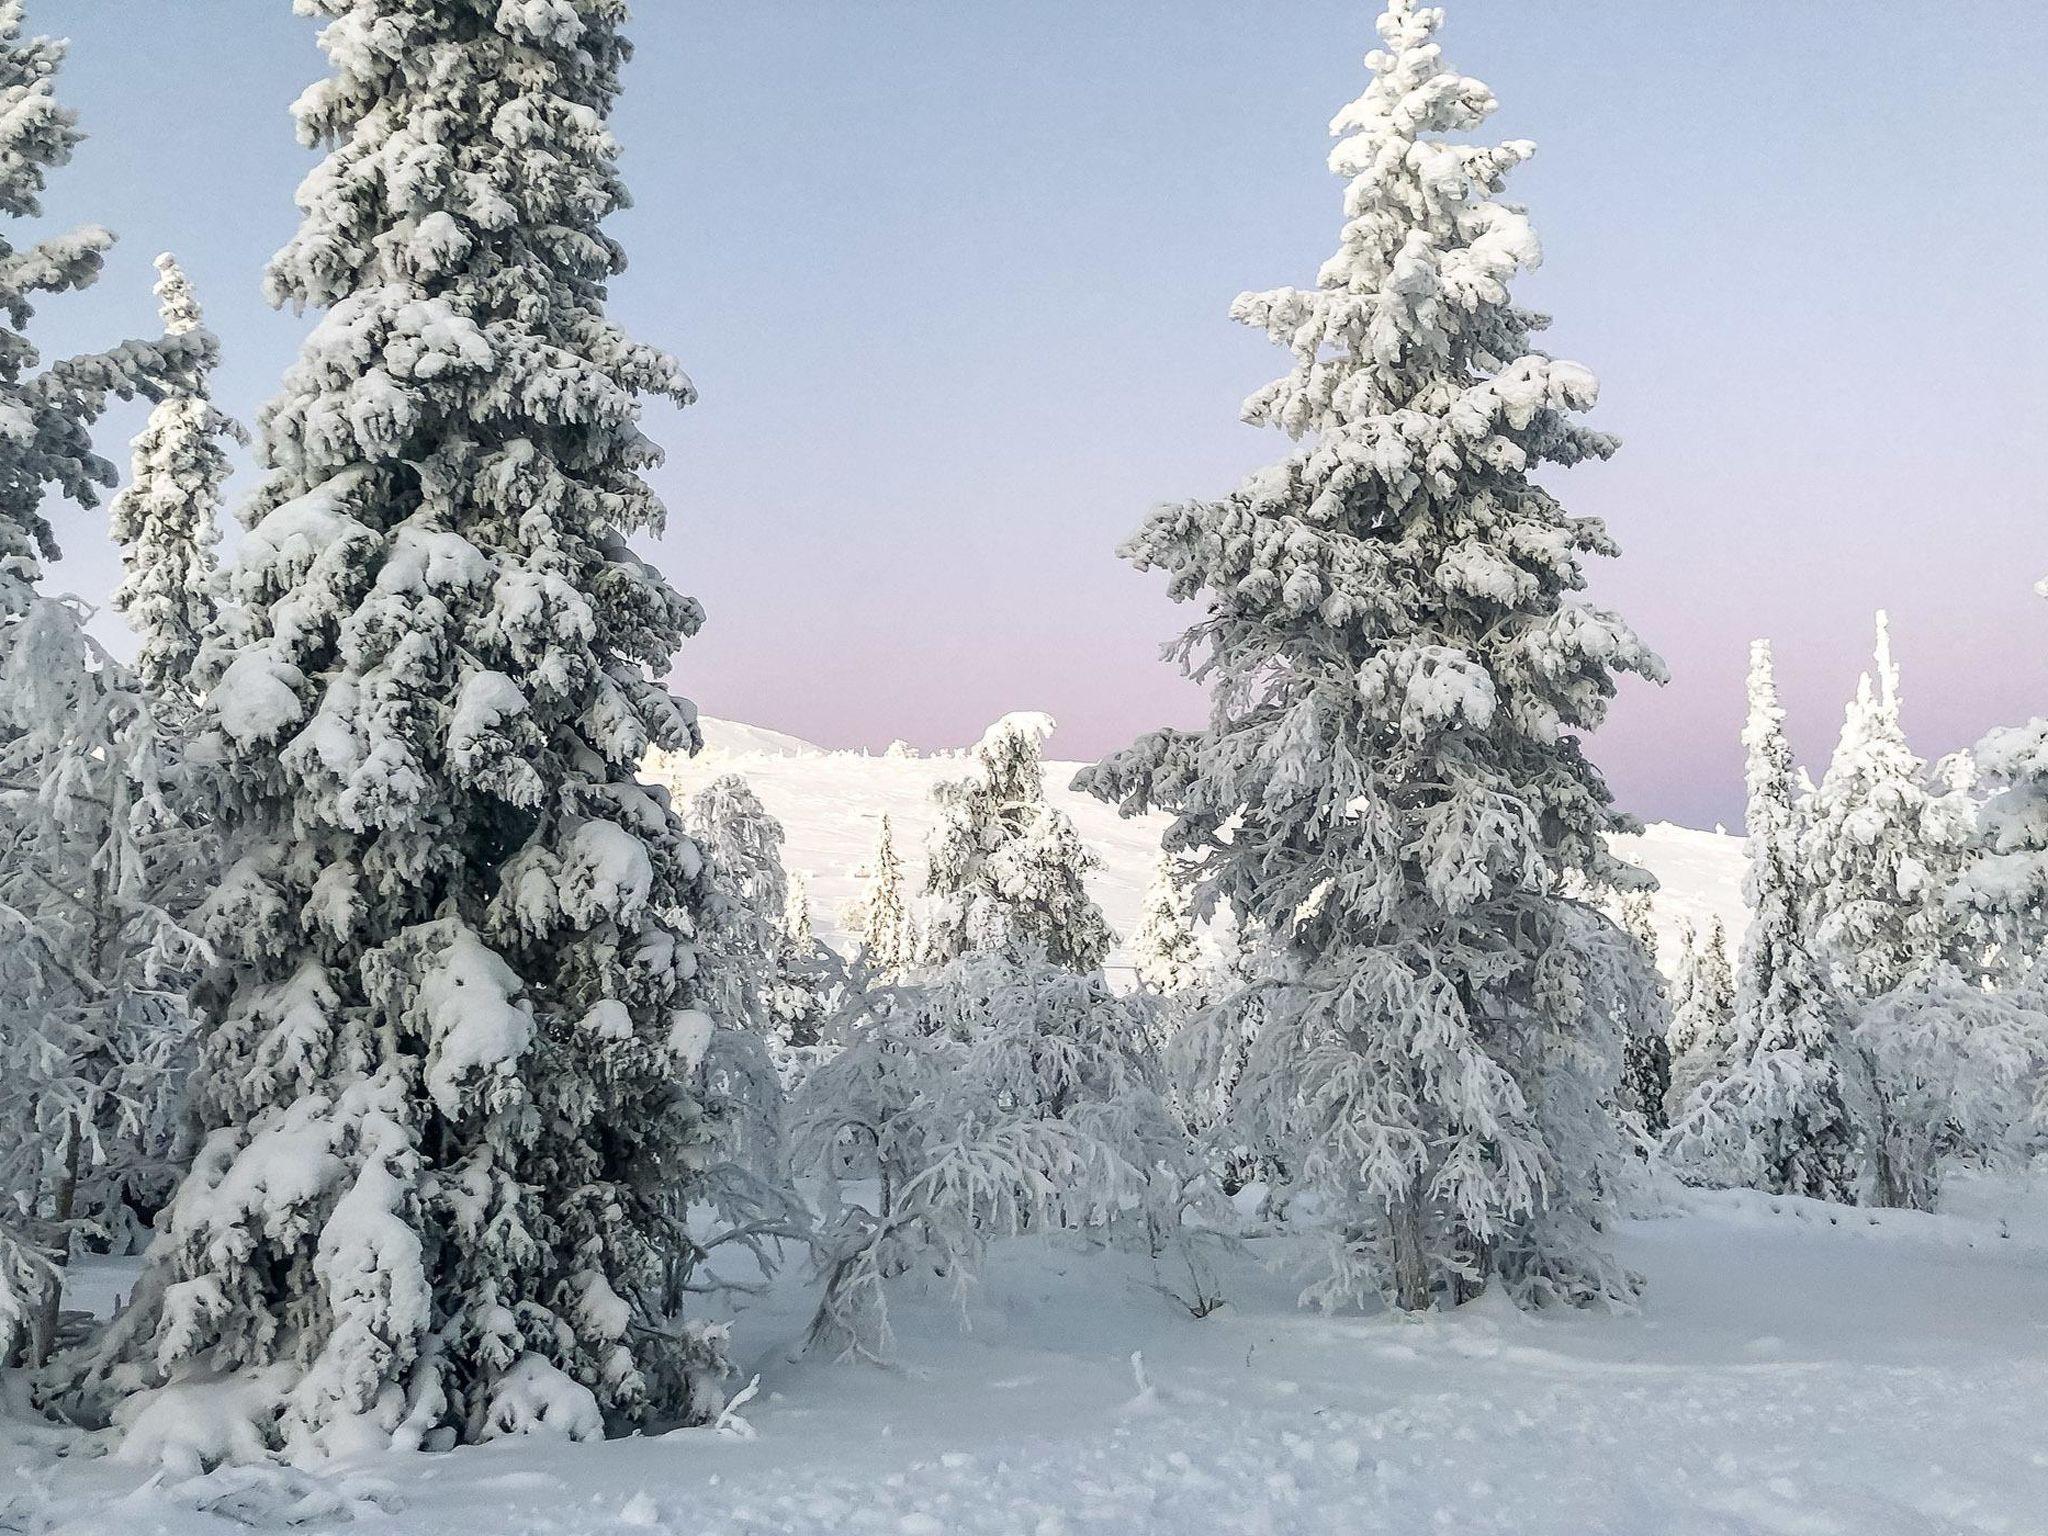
(831, 804)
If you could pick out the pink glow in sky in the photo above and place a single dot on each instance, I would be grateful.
(954, 281)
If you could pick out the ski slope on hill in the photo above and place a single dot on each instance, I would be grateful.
(831, 805)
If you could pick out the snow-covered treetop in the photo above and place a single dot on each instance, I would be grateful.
(175, 300)
(1015, 733)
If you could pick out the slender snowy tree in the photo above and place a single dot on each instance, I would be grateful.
(884, 933)
(1006, 869)
(1168, 956)
(1391, 784)
(1702, 1018)
(78, 747)
(1646, 1053)
(797, 1003)
(1785, 1117)
(167, 518)
(453, 1079)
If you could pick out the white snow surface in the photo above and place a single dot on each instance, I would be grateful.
(1796, 1369)
(831, 804)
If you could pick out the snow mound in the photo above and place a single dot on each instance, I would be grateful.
(725, 739)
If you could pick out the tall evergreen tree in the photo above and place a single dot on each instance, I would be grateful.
(452, 1079)
(884, 933)
(166, 519)
(79, 748)
(1006, 870)
(1784, 1117)
(1391, 784)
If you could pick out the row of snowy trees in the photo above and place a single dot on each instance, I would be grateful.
(1887, 1008)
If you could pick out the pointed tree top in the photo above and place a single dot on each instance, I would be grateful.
(175, 300)
(1887, 669)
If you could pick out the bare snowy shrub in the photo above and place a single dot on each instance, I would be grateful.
(1006, 1095)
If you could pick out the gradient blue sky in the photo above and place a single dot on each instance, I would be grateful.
(954, 278)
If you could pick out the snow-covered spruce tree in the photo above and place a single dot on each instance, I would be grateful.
(1880, 848)
(1646, 1054)
(77, 731)
(1392, 782)
(1790, 1114)
(1006, 870)
(1001, 1094)
(747, 892)
(452, 1077)
(1702, 1017)
(2005, 882)
(167, 519)
(740, 942)
(884, 932)
(1165, 950)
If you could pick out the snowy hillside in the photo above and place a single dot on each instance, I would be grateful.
(831, 803)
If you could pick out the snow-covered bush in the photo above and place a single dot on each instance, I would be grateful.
(801, 997)
(1391, 784)
(1005, 1094)
(1958, 1066)
(2005, 883)
(1166, 952)
(1007, 869)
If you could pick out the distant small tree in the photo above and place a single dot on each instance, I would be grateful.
(1007, 870)
(1646, 1054)
(1703, 1017)
(1166, 952)
(884, 933)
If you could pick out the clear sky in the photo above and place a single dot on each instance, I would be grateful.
(953, 279)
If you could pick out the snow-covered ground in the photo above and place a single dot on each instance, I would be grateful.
(1795, 1368)
(831, 805)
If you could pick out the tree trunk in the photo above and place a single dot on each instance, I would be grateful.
(1412, 1288)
